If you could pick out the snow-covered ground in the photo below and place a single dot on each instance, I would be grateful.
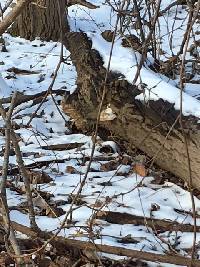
(125, 60)
(107, 189)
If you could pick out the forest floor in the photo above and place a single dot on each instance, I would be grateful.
(123, 203)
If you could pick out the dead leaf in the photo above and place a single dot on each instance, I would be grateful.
(109, 166)
(37, 177)
(107, 35)
(71, 170)
(97, 204)
(128, 239)
(140, 169)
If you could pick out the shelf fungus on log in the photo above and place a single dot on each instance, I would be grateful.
(149, 127)
(107, 114)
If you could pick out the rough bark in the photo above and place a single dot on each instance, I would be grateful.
(144, 126)
(39, 19)
(8, 20)
(43, 18)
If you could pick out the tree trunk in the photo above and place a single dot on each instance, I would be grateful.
(147, 127)
(40, 18)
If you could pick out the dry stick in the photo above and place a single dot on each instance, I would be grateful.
(49, 91)
(61, 13)
(153, 38)
(10, 18)
(82, 3)
(186, 32)
(175, 3)
(142, 34)
(3, 10)
(22, 169)
(182, 71)
(172, 32)
(126, 218)
(78, 244)
(5, 210)
(122, 16)
(144, 46)
(91, 156)
(21, 98)
(26, 179)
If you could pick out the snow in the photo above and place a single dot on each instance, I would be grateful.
(5, 90)
(125, 60)
(119, 190)
(39, 57)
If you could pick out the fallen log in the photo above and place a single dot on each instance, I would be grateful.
(152, 128)
(87, 245)
(142, 126)
(21, 98)
(45, 163)
(156, 224)
(62, 147)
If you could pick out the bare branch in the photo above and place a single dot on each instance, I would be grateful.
(4, 205)
(3, 9)
(82, 3)
(82, 245)
(10, 18)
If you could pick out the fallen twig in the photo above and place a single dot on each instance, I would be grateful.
(83, 245)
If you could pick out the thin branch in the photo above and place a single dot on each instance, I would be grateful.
(7, 5)
(20, 164)
(5, 210)
(12, 15)
(182, 72)
(81, 245)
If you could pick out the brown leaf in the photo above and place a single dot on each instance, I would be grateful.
(71, 170)
(107, 35)
(37, 177)
(109, 166)
(97, 204)
(140, 169)
(126, 160)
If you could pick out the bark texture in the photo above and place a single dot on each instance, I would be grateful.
(40, 18)
(142, 125)
(8, 20)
